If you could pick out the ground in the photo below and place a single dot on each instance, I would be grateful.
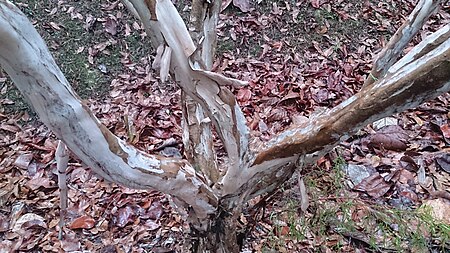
(298, 56)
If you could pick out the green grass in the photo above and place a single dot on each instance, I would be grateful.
(86, 78)
(378, 227)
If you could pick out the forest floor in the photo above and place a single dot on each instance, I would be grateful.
(385, 189)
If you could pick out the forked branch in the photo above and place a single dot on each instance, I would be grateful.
(26, 59)
(416, 82)
(205, 87)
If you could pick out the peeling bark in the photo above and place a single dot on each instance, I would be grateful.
(211, 202)
(411, 85)
(197, 132)
(198, 140)
(390, 53)
(26, 59)
(206, 88)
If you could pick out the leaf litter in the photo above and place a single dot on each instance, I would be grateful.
(318, 57)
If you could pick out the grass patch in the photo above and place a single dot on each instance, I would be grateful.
(335, 220)
(90, 81)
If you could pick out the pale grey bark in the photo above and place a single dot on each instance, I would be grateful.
(422, 74)
(392, 51)
(26, 59)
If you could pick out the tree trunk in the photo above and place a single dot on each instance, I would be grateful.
(222, 237)
(211, 202)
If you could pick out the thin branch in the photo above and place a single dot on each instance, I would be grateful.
(62, 159)
(390, 53)
(412, 85)
(425, 46)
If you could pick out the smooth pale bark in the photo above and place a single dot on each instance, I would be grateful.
(26, 59)
(391, 52)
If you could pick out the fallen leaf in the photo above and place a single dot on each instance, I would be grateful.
(124, 216)
(155, 211)
(151, 225)
(315, 3)
(55, 26)
(70, 244)
(445, 130)
(82, 222)
(4, 223)
(27, 218)
(390, 137)
(373, 185)
(444, 162)
(23, 160)
(111, 26)
(244, 95)
(37, 182)
(357, 173)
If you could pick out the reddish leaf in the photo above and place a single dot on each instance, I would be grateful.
(37, 182)
(244, 95)
(83, 222)
(10, 128)
(446, 130)
(315, 3)
(243, 5)
(155, 211)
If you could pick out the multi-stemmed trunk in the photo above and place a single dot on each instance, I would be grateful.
(210, 202)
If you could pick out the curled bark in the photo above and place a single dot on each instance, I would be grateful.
(205, 87)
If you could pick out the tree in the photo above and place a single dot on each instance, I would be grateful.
(210, 201)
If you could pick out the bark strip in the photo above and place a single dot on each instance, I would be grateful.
(206, 88)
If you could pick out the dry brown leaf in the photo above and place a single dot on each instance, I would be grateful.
(29, 217)
(373, 185)
(111, 26)
(390, 137)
